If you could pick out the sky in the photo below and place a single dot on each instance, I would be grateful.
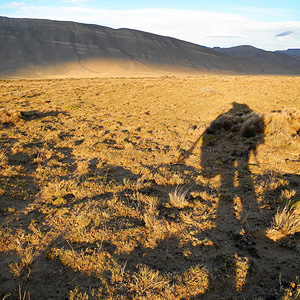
(266, 24)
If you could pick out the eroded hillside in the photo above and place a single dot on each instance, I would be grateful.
(35, 48)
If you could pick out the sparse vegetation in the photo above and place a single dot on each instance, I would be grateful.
(287, 221)
(293, 292)
(178, 198)
(242, 265)
(148, 283)
(150, 188)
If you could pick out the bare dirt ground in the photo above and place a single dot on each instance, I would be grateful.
(150, 188)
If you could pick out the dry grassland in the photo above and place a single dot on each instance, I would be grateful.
(150, 188)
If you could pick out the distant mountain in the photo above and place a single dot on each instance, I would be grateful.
(293, 52)
(41, 48)
(265, 61)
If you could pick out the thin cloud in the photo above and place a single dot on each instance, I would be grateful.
(263, 13)
(74, 1)
(285, 33)
(223, 36)
(14, 4)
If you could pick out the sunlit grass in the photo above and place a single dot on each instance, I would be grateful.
(92, 189)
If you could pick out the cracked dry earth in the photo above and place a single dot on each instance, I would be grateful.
(150, 188)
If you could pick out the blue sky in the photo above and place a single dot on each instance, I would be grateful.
(266, 24)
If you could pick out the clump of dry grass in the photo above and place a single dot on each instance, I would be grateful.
(77, 295)
(194, 282)
(286, 222)
(253, 125)
(156, 230)
(242, 267)
(178, 198)
(293, 292)
(147, 282)
(58, 189)
(3, 158)
(23, 268)
(9, 117)
(16, 269)
(283, 130)
(283, 122)
(90, 263)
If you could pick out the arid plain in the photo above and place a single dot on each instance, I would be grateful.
(171, 187)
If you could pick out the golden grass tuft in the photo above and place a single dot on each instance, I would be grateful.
(59, 189)
(178, 197)
(242, 265)
(286, 222)
(3, 158)
(147, 283)
(9, 117)
(16, 269)
(195, 281)
(283, 122)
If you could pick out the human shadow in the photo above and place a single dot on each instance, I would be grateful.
(227, 145)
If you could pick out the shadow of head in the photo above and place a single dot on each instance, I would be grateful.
(239, 129)
(240, 120)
